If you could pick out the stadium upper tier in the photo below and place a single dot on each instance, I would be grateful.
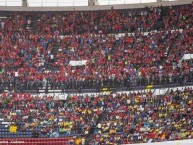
(75, 50)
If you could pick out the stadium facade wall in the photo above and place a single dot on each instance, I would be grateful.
(91, 8)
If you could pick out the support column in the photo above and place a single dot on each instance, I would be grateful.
(24, 3)
(93, 2)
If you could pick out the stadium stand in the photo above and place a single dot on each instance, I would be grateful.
(71, 52)
(100, 119)
(37, 59)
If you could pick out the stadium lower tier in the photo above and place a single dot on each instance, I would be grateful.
(99, 119)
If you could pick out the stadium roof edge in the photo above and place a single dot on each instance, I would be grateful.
(97, 7)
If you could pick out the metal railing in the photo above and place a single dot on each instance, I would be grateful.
(89, 85)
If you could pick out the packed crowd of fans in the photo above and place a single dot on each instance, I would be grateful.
(115, 21)
(104, 119)
(31, 59)
(35, 52)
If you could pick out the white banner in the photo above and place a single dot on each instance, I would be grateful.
(63, 97)
(187, 57)
(60, 97)
(77, 63)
